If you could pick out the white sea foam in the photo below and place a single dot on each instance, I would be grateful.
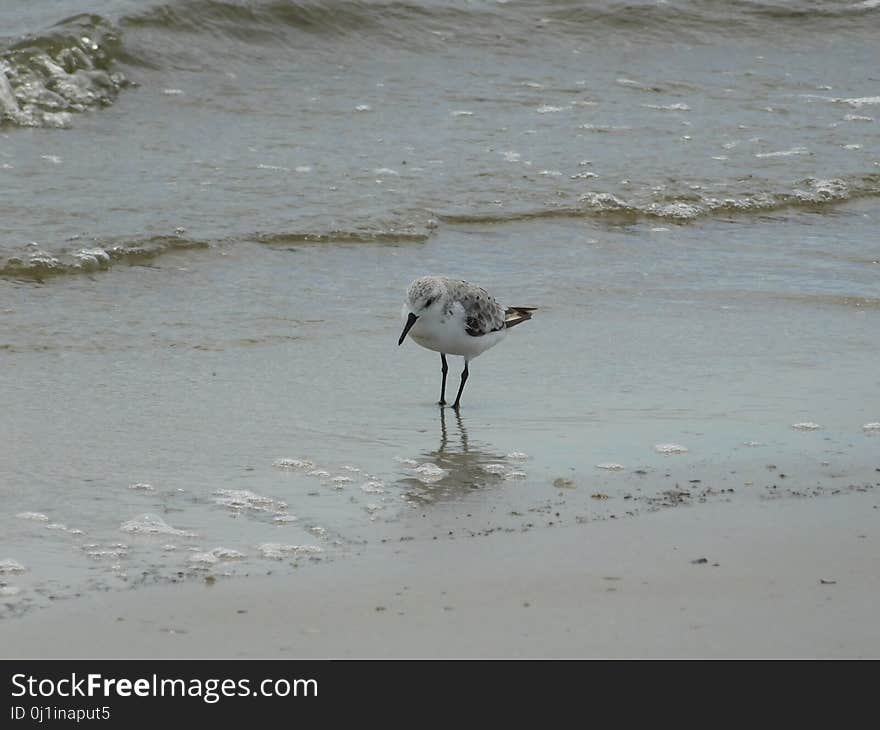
(785, 153)
(373, 487)
(860, 101)
(216, 555)
(668, 107)
(677, 211)
(670, 449)
(106, 551)
(92, 259)
(8, 566)
(35, 516)
(293, 464)
(142, 487)
(279, 551)
(283, 519)
(151, 525)
(604, 128)
(429, 473)
(241, 499)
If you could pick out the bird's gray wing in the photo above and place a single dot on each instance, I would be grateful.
(482, 313)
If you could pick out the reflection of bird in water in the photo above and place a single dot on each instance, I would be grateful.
(444, 434)
(454, 469)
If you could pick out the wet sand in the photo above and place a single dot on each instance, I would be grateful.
(171, 387)
(766, 578)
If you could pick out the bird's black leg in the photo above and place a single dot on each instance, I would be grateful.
(444, 370)
(464, 377)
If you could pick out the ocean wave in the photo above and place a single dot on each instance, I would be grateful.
(705, 19)
(271, 21)
(809, 193)
(71, 67)
(343, 236)
(45, 78)
(38, 265)
(413, 24)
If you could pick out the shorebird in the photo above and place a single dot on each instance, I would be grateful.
(454, 317)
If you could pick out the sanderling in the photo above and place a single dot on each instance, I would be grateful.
(453, 317)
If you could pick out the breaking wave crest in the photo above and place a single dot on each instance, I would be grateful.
(37, 264)
(47, 77)
(809, 193)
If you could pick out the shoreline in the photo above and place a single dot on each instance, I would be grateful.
(781, 578)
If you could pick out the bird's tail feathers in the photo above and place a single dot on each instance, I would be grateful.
(515, 315)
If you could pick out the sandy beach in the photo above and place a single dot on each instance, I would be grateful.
(780, 578)
(211, 443)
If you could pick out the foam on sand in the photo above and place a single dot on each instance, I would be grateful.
(151, 525)
(430, 473)
(35, 516)
(293, 464)
(216, 555)
(279, 551)
(8, 566)
(244, 499)
(670, 449)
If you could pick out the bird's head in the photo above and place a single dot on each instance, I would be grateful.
(422, 296)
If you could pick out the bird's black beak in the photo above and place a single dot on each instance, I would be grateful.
(410, 321)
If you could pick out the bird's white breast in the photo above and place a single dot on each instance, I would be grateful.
(446, 332)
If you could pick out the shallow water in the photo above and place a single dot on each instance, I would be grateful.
(195, 402)
(204, 257)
